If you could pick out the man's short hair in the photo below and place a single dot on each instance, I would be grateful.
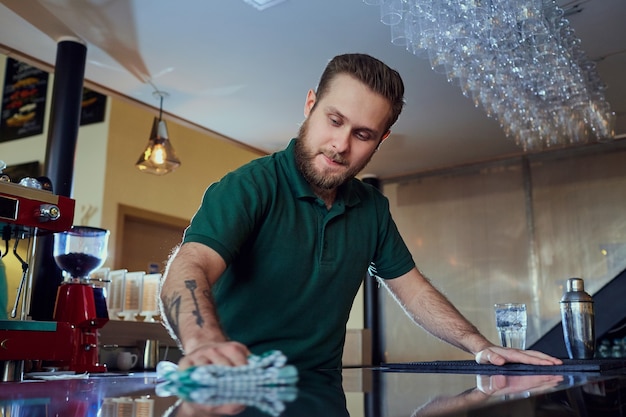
(374, 73)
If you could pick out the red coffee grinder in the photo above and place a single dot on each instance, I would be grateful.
(80, 251)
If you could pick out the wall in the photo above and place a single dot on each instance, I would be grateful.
(509, 231)
(88, 180)
(205, 159)
(89, 162)
(105, 175)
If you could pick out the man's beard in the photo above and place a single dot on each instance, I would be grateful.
(304, 162)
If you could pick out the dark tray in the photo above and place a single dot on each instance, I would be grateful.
(470, 366)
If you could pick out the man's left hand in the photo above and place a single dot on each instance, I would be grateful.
(500, 355)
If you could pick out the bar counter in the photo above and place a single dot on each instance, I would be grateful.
(355, 392)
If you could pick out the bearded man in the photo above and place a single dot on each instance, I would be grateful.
(275, 255)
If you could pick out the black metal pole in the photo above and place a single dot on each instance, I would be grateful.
(371, 308)
(373, 321)
(67, 92)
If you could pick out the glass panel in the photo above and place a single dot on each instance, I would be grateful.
(508, 232)
(579, 210)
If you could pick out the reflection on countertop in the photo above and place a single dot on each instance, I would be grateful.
(353, 392)
(80, 397)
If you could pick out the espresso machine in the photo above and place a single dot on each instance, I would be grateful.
(70, 341)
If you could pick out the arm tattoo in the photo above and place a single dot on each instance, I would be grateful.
(191, 286)
(171, 309)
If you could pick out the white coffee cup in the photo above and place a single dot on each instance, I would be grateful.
(126, 361)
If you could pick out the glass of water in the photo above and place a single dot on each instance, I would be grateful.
(511, 322)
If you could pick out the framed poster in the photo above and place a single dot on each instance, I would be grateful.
(92, 107)
(23, 101)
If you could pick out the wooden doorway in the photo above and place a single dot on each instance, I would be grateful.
(145, 237)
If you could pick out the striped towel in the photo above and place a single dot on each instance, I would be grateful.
(265, 382)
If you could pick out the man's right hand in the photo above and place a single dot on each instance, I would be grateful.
(220, 353)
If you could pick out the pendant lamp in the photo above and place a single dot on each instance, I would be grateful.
(159, 157)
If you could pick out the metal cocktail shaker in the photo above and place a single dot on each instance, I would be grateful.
(577, 316)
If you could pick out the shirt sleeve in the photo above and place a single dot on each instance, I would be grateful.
(228, 214)
(392, 258)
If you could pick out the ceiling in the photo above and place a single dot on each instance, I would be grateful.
(244, 73)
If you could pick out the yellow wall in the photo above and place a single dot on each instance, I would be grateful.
(105, 175)
(205, 159)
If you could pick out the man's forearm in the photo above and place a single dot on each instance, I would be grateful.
(187, 305)
(430, 309)
(439, 317)
(184, 317)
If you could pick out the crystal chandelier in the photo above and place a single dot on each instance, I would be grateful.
(518, 60)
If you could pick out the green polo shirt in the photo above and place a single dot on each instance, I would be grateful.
(294, 267)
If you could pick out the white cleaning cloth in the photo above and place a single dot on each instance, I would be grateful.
(265, 382)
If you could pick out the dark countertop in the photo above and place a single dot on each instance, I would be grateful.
(354, 392)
